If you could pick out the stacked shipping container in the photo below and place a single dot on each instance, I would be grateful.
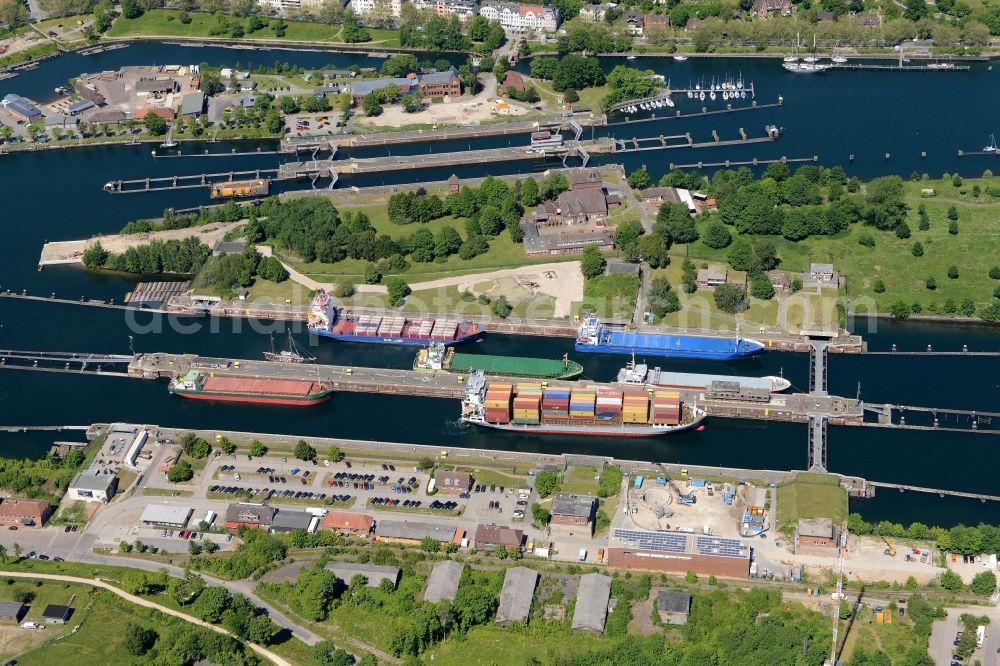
(367, 325)
(527, 404)
(635, 406)
(555, 404)
(497, 402)
(581, 405)
(666, 407)
(609, 405)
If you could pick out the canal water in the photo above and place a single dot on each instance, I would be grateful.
(56, 195)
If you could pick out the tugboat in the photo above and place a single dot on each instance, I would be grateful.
(294, 353)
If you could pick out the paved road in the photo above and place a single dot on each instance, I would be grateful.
(264, 652)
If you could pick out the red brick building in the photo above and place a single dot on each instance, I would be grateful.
(816, 533)
(345, 522)
(572, 515)
(251, 515)
(488, 537)
(24, 512)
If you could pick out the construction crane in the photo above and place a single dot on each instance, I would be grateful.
(838, 596)
(891, 550)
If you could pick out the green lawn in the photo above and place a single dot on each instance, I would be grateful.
(488, 476)
(974, 250)
(590, 98)
(611, 295)
(580, 480)
(811, 496)
(502, 646)
(164, 23)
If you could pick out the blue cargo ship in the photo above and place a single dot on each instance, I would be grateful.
(596, 337)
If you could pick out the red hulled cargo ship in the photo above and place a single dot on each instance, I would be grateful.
(257, 390)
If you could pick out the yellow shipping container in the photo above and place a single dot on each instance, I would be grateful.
(888, 616)
(668, 394)
(878, 618)
(522, 387)
(525, 413)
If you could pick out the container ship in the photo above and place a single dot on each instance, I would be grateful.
(439, 357)
(324, 320)
(641, 375)
(258, 390)
(595, 337)
(599, 411)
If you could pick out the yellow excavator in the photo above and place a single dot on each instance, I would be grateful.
(890, 550)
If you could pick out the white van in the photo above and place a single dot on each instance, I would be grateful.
(583, 554)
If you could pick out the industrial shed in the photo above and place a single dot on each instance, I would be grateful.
(375, 573)
(166, 516)
(516, 595)
(443, 581)
(592, 603)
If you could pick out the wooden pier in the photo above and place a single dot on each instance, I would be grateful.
(204, 180)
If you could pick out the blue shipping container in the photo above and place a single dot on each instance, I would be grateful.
(660, 480)
(697, 483)
(638, 482)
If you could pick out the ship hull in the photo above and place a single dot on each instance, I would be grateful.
(413, 342)
(588, 431)
(305, 401)
(667, 353)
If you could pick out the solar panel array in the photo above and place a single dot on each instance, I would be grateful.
(670, 542)
(709, 545)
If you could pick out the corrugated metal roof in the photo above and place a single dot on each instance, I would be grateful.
(516, 595)
(165, 514)
(443, 581)
(592, 603)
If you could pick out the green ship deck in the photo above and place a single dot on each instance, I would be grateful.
(514, 366)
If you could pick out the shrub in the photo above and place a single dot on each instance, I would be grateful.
(995, 272)
(796, 285)
(398, 290)
(866, 239)
(343, 290)
(930, 283)
(953, 228)
(878, 287)
(952, 213)
(917, 250)
(953, 272)
(902, 230)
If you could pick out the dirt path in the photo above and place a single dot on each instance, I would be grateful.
(146, 603)
(563, 281)
(71, 252)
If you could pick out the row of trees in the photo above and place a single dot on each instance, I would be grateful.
(229, 272)
(961, 539)
(569, 72)
(173, 256)
(39, 478)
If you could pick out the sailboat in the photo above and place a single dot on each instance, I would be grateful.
(294, 353)
(169, 143)
(992, 148)
(809, 66)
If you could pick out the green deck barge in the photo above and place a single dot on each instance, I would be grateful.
(498, 366)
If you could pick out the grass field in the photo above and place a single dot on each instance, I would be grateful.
(165, 23)
(611, 295)
(488, 476)
(810, 496)
(974, 250)
(499, 646)
(580, 480)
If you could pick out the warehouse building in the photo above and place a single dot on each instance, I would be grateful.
(56, 614)
(288, 521)
(412, 533)
(443, 582)
(164, 515)
(24, 512)
(572, 515)
(11, 611)
(91, 486)
(679, 552)
(488, 537)
(374, 573)
(250, 515)
(592, 599)
(516, 595)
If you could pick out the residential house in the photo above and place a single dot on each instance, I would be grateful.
(452, 482)
(779, 280)
(24, 512)
(253, 516)
(516, 17)
(596, 13)
(463, 9)
(714, 276)
(572, 515)
(658, 20)
(166, 114)
(633, 20)
(377, 9)
(821, 273)
(766, 8)
(348, 523)
(488, 537)
(673, 607)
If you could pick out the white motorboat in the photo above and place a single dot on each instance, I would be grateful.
(840, 60)
(680, 58)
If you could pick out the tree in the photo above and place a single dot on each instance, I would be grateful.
(529, 193)
(902, 230)
(135, 582)
(180, 472)
(653, 249)
(917, 250)
(270, 269)
(952, 213)
(591, 262)
(878, 287)
(353, 32)
(18, 551)
(662, 299)
(429, 544)
(131, 9)
(717, 236)
(257, 448)
(328, 654)
(953, 228)
(303, 451)
(155, 124)
(951, 581)
(398, 290)
(371, 274)
(731, 298)
(995, 273)
(691, 577)
(761, 287)
(138, 640)
(546, 483)
(967, 308)
(915, 10)
(639, 179)
(899, 310)
(984, 583)
(953, 272)
(95, 255)
(226, 445)
(500, 307)
(372, 104)
(674, 222)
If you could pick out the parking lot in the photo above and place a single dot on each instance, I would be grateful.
(322, 124)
